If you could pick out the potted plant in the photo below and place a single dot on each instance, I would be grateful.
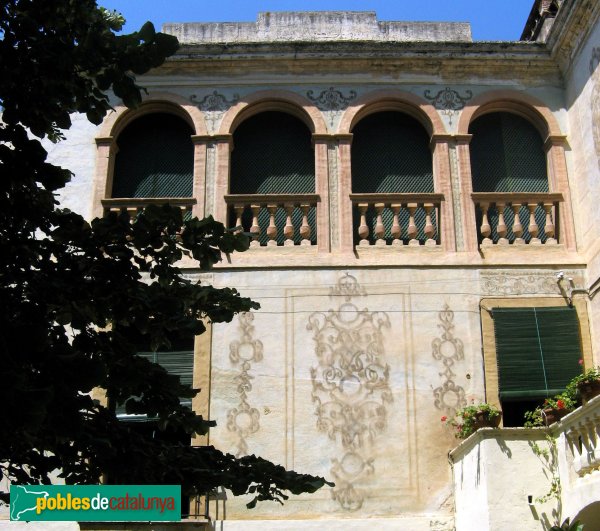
(586, 384)
(551, 411)
(470, 418)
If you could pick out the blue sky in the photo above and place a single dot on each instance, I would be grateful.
(490, 19)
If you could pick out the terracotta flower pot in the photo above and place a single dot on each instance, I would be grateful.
(588, 390)
(552, 415)
(483, 421)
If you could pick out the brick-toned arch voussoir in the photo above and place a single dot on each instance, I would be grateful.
(273, 100)
(155, 102)
(392, 100)
(514, 101)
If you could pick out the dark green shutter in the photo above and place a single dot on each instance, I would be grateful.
(155, 158)
(272, 154)
(391, 154)
(537, 349)
(507, 155)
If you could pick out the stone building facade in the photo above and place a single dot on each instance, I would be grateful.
(402, 182)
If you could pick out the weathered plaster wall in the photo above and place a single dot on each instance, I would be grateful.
(583, 101)
(485, 466)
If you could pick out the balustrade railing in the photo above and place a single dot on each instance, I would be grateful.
(517, 218)
(397, 219)
(275, 219)
(133, 205)
(582, 431)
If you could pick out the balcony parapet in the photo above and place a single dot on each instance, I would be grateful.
(133, 205)
(582, 432)
(517, 218)
(399, 219)
(275, 219)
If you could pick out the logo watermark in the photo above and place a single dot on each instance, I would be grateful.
(95, 503)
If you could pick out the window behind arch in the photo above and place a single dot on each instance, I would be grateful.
(273, 154)
(507, 155)
(155, 158)
(390, 154)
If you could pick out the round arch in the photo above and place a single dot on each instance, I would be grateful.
(273, 100)
(515, 102)
(393, 100)
(156, 102)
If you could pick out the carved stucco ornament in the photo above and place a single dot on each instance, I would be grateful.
(448, 101)
(214, 106)
(449, 397)
(595, 102)
(244, 420)
(350, 386)
(332, 102)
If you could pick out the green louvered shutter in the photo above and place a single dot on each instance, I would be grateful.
(176, 362)
(390, 154)
(507, 155)
(155, 158)
(537, 350)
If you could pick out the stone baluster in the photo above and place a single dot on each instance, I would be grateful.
(363, 228)
(272, 228)
(549, 226)
(412, 227)
(379, 228)
(429, 228)
(132, 212)
(533, 227)
(501, 229)
(517, 225)
(305, 227)
(239, 211)
(288, 231)
(485, 229)
(396, 231)
(255, 229)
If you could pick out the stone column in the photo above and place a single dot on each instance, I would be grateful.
(322, 177)
(467, 207)
(105, 164)
(199, 177)
(559, 182)
(344, 227)
(442, 180)
(217, 181)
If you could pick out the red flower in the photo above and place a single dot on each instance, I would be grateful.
(444, 418)
(580, 362)
(560, 404)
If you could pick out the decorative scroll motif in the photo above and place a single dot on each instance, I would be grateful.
(332, 102)
(243, 420)
(455, 183)
(350, 388)
(448, 349)
(214, 106)
(503, 283)
(595, 103)
(332, 166)
(211, 176)
(448, 101)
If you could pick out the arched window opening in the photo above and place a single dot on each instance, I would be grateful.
(273, 160)
(508, 160)
(155, 158)
(391, 156)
